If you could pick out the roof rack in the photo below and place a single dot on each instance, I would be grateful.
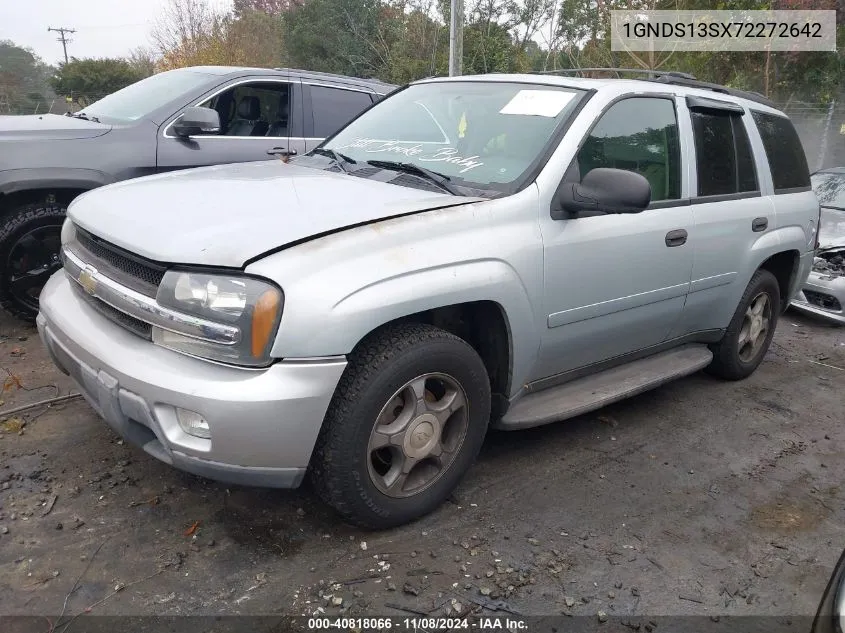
(703, 85)
(318, 73)
(676, 79)
(639, 71)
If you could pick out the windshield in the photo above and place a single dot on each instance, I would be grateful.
(143, 97)
(483, 135)
(830, 189)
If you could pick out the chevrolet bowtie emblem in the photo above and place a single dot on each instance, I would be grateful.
(87, 279)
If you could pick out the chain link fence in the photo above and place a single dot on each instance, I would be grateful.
(12, 105)
(822, 131)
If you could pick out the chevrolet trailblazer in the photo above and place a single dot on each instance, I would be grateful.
(505, 250)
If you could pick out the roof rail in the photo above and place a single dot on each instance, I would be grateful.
(734, 92)
(639, 71)
(676, 79)
(318, 73)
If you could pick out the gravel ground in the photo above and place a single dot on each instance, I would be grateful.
(699, 498)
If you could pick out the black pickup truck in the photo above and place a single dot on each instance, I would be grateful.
(178, 119)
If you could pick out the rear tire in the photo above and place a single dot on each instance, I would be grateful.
(413, 398)
(30, 239)
(751, 329)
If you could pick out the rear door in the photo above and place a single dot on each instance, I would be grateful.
(330, 106)
(260, 118)
(731, 207)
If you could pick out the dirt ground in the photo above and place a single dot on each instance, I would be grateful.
(702, 497)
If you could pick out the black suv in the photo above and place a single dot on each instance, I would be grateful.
(178, 119)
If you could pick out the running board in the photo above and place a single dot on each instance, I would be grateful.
(611, 385)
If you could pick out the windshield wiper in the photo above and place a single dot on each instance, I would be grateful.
(442, 180)
(341, 159)
(83, 116)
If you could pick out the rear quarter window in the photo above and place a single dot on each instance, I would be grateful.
(787, 160)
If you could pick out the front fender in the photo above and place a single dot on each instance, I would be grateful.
(482, 280)
(357, 314)
(339, 288)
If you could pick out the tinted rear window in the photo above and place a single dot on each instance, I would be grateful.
(334, 107)
(783, 150)
(723, 154)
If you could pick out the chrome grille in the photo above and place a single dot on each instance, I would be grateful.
(134, 310)
(136, 326)
(135, 272)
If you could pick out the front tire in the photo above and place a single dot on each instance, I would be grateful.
(406, 422)
(751, 329)
(30, 239)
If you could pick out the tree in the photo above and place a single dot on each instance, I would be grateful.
(143, 61)
(191, 34)
(255, 39)
(350, 37)
(269, 7)
(404, 40)
(86, 80)
(184, 25)
(23, 80)
(421, 48)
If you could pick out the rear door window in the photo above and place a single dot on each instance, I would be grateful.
(335, 107)
(724, 161)
(784, 151)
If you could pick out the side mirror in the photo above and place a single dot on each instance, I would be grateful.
(197, 121)
(604, 190)
(830, 616)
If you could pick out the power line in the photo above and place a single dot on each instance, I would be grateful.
(63, 38)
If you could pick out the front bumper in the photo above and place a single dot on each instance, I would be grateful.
(264, 423)
(824, 296)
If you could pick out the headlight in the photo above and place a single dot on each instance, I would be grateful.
(251, 305)
(68, 231)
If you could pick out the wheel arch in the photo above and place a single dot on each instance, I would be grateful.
(49, 195)
(784, 266)
(25, 186)
(485, 326)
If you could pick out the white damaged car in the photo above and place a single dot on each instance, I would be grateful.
(824, 293)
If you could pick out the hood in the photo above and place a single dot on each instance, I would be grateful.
(832, 229)
(229, 214)
(48, 127)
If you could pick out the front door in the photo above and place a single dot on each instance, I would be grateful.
(616, 283)
(259, 119)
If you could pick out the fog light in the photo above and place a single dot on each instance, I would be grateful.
(193, 423)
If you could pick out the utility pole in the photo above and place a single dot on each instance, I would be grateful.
(62, 37)
(456, 38)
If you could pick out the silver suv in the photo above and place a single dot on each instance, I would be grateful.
(505, 250)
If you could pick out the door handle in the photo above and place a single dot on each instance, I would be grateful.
(281, 151)
(678, 237)
(759, 224)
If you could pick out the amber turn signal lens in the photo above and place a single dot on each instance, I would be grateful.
(263, 319)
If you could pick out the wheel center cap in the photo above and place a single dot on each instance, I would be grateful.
(421, 436)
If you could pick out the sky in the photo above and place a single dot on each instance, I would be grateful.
(104, 28)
